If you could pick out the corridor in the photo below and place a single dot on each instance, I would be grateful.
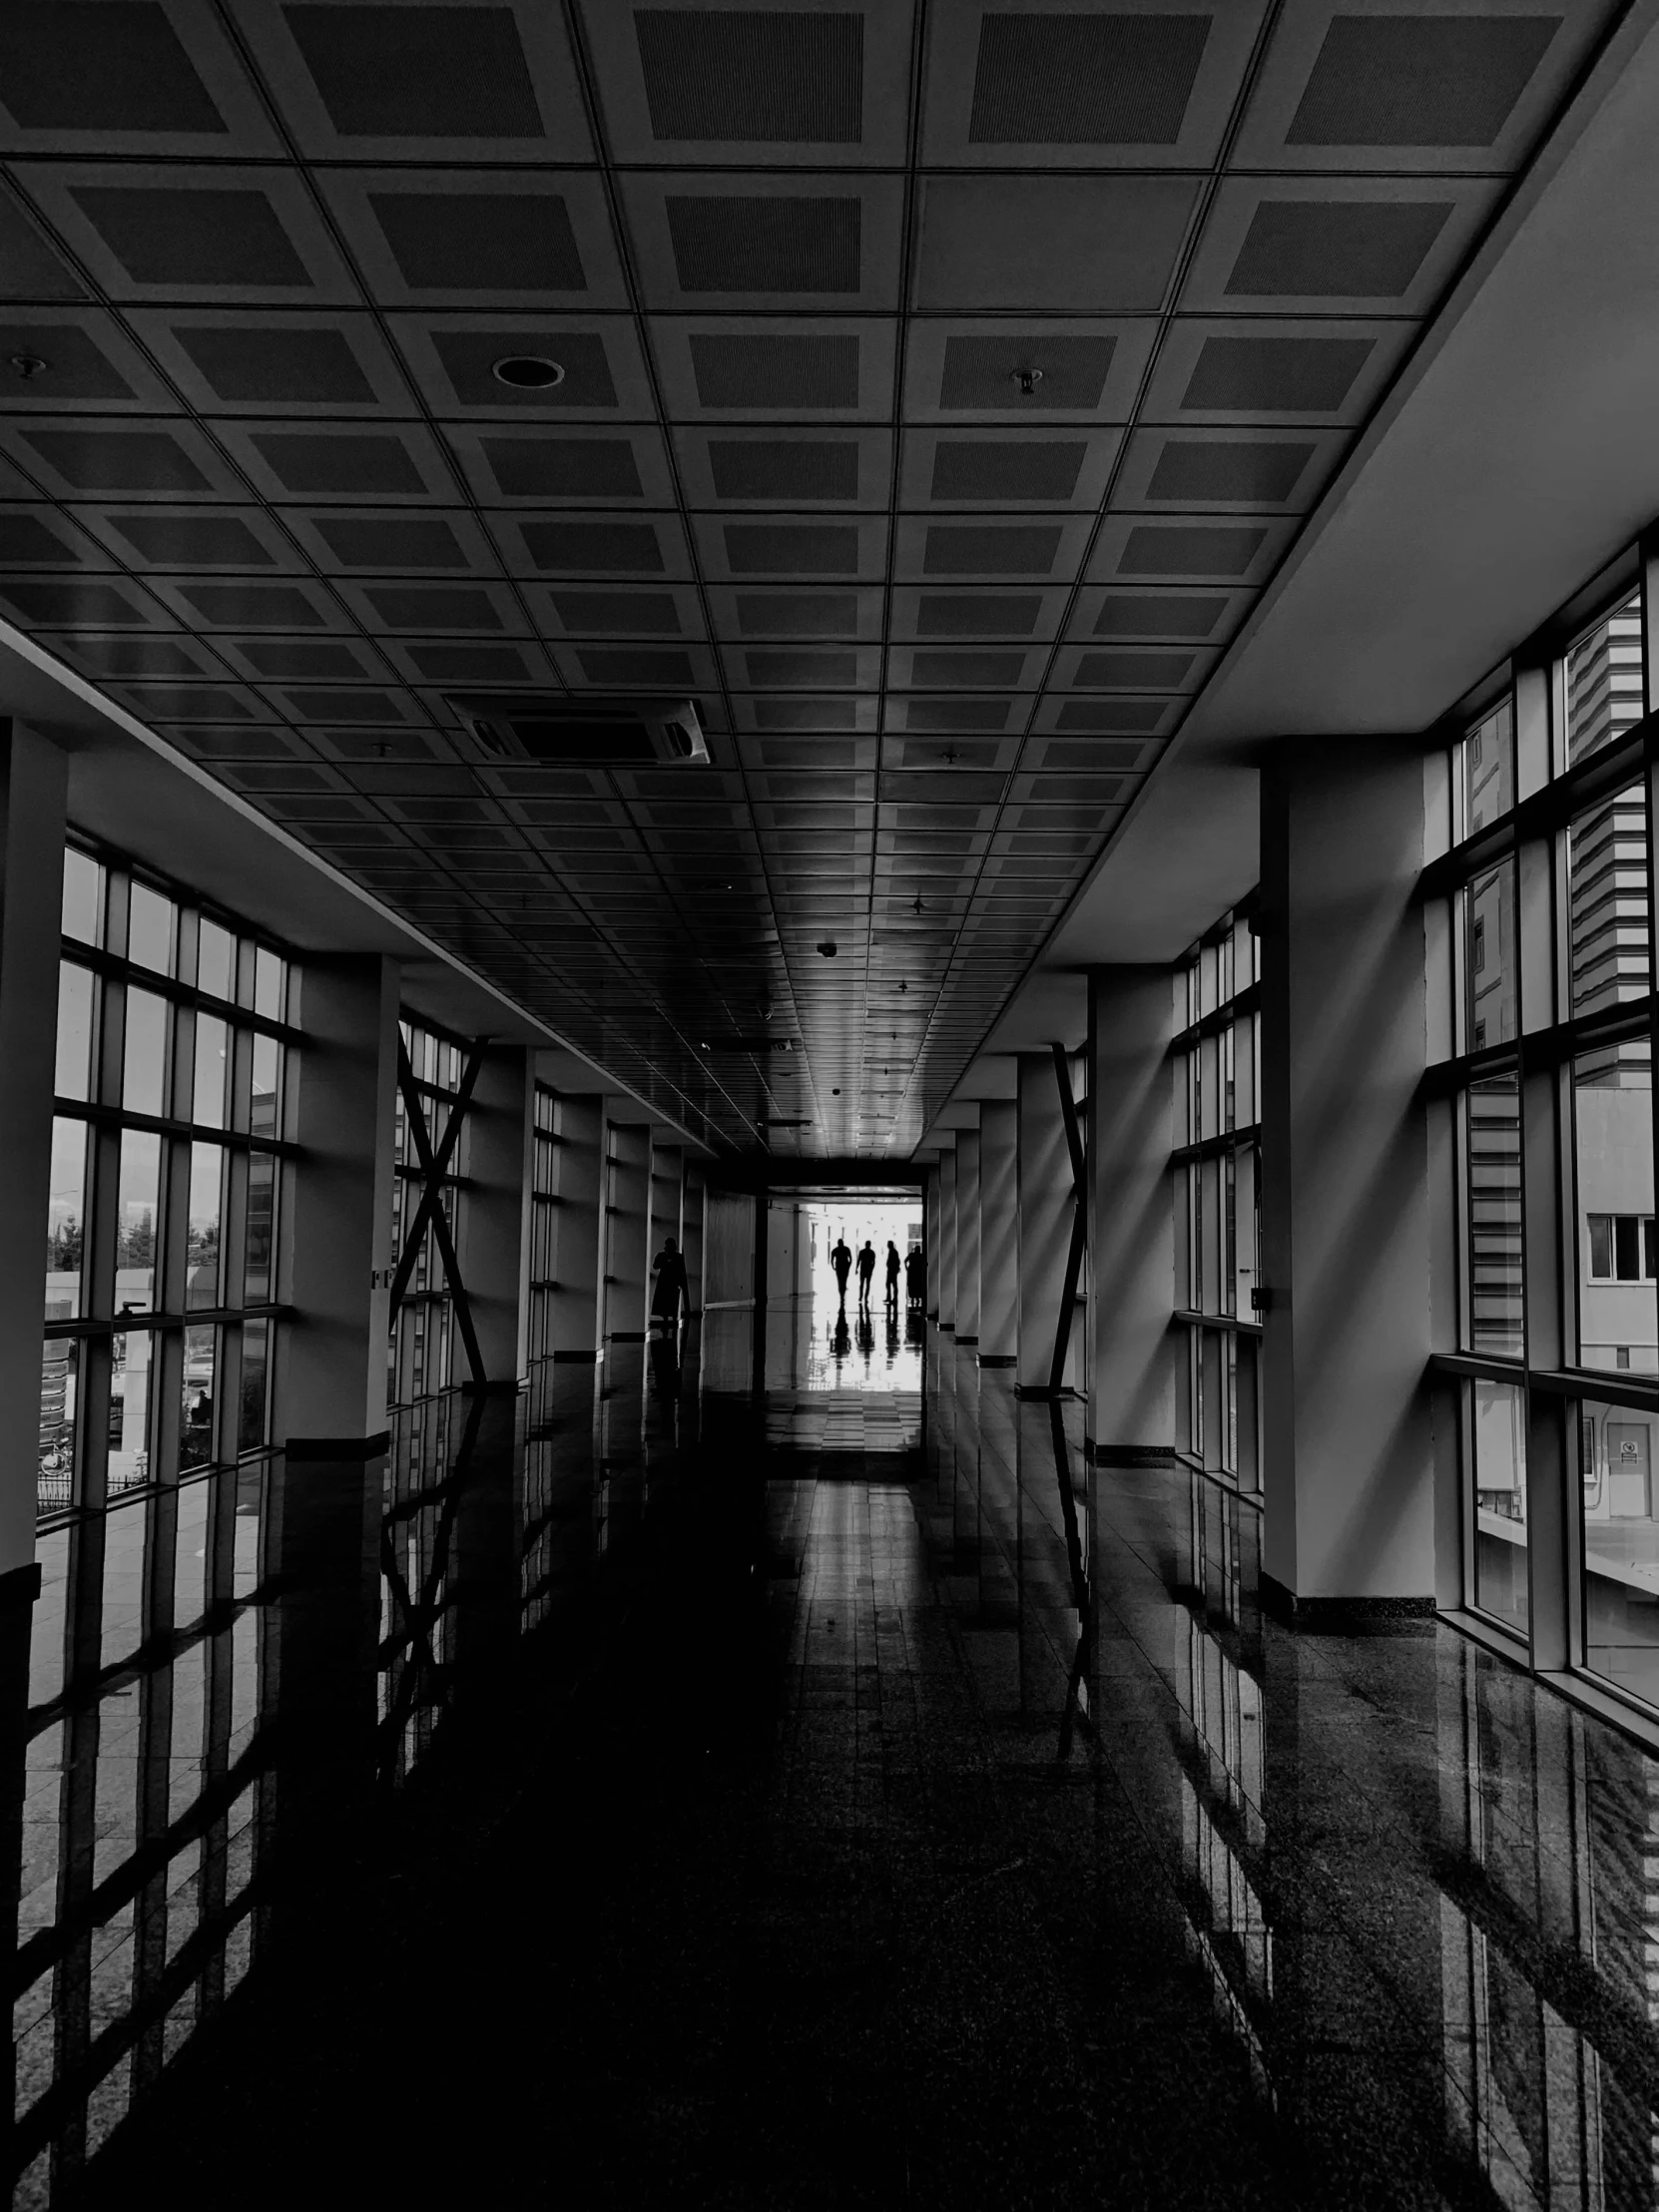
(724, 1818)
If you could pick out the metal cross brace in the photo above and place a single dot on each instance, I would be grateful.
(431, 1210)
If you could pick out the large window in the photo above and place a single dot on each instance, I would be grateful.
(1547, 1086)
(166, 1190)
(543, 1215)
(1217, 1197)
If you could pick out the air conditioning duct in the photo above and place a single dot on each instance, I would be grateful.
(554, 730)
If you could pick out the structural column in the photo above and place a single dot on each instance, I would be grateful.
(998, 1232)
(931, 1203)
(1132, 1369)
(492, 1245)
(330, 1381)
(627, 1227)
(967, 1237)
(691, 1236)
(1046, 1184)
(33, 783)
(948, 1241)
(668, 1176)
(1349, 1475)
(579, 1233)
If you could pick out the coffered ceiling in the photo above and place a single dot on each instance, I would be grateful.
(939, 387)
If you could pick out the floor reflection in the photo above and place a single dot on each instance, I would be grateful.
(1075, 1875)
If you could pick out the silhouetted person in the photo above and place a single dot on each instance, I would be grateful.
(894, 1265)
(867, 1274)
(915, 1283)
(840, 1258)
(668, 1287)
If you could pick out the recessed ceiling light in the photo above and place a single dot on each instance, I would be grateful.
(528, 373)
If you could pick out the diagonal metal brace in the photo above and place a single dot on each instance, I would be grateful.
(431, 1210)
(1079, 1222)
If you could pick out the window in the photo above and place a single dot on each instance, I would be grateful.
(1621, 1247)
(165, 1194)
(543, 1216)
(1217, 1184)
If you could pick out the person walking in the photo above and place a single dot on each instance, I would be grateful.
(668, 1287)
(867, 1275)
(913, 1264)
(894, 1265)
(840, 1258)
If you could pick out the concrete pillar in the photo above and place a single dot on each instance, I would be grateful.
(1046, 1212)
(967, 1236)
(497, 1139)
(998, 1234)
(1348, 1474)
(627, 1227)
(331, 1379)
(691, 1233)
(579, 1235)
(33, 783)
(1132, 1370)
(931, 1202)
(668, 1177)
(948, 1241)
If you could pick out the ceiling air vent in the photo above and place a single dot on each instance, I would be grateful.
(555, 730)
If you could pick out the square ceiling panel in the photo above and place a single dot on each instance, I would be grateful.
(79, 358)
(1044, 242)
(594, 542)
(76, 458)
(1121, 667)
(731, 367)
(1223, 549)
(800, 241)
(1264, 371)
(185, 233)
(411, 541)
(420, 80)
(1032, 85)
(47, 537)
(157, 537)
(800, 469)
(1036, 370)
(552, 368)
(1333, 245)
(1030, 549)
(946, 613)
(405, 606)
(378, 463)
(563, 466)
(481, 238)
(242, 363)
(148, 76)
(763, 548)
(1207, 616)
(968, 466)
(1265, 471)
(761, 613)
(782, 86)
(1404, 88)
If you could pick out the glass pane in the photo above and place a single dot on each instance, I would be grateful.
(1491, 980)
(269, 973)
(1604, 682)
(75, 1001)
(1621, 1547)
(66, 1220)
(190, 1558)
(1613, 1148)
(196, 1412)
(1488, 770)
(82, 897)
(137, 1209)
(212, 1067)
(1493, 1196)
(268, 1069)
(261, 1209)
(256, 1369)
(145, 1055)
(216, 961)
(122, 1632)
(59, 1376)
(130, 1359)
(207, 1182)
(1608, 901)
(1498, 1432)
(149, 929)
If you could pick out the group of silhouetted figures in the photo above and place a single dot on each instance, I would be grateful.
(912, 1267)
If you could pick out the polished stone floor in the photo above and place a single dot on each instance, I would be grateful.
(656, 1795)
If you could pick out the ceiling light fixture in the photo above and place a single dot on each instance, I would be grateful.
(1026, 380)
(527, 373)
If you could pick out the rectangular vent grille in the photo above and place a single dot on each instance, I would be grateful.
(995, 549)
(1030, 469)
(1162, 615)
(785, 468)
(1335, 250)
(1115, 79)
(557, 730)
(791, 548)
(782, 372)
(1275, 375)
(1199, 470)
(797, 614)
(718, 76)
(785, 242)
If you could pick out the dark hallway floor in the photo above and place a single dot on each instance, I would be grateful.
(800, 1855)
